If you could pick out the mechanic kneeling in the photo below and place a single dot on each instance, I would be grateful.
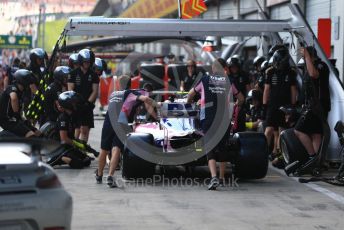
(10, 106)
(68, 103)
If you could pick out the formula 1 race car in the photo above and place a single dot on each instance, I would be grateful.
(176, 140)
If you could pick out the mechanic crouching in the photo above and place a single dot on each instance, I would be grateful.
(254, 117)
(68, 103)
(11, 104)
(309, 128)
(214, 91)
(121, 111)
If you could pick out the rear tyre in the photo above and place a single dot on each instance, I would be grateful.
(291, 147)
(133, 166)
(252, 155)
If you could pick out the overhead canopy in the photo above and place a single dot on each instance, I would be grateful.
(118, 40)
(172, 27)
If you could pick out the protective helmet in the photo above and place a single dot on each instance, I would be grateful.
(37, 53)
(85, 55)
(257, 61)
(280, 59)
(70, 100)
(274, 48)
(254, 95)
(61, 74)
(100, 65)
(72, 60)
(233, 61)
(23, 77)
(264, 66)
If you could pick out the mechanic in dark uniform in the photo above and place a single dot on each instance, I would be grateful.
(11, 104)
(73, 62)
(121, 111)
(190, 78)
(68, 103)
(280, 90)
(254, 116)
(309, 128)
(215, 95)
(257, 63)
(85, 81)
(262, 75)
(241, 81)
(37, 64)
(53, 91)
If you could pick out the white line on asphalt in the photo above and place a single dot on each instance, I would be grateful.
(315, 187)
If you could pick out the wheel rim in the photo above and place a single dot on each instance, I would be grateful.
(284, 149)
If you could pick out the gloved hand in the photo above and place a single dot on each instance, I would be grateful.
(89, 105)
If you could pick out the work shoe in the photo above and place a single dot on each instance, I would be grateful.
(278, 162)
(99, 179)
(222, 182)
(111, 182)
(273, 156)
(214, 183)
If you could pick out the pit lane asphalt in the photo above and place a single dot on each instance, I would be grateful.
(275, 202)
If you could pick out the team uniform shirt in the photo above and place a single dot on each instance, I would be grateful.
(240, 80)
(280, 86)
(37, 73)
(321, 91)
(51, 95)
(6, 111)
(125, 104)
(214, 91)
(83, 82)
(65, 123)
(189, 81)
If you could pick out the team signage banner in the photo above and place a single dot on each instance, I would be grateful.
(15, 42)
(150, 9)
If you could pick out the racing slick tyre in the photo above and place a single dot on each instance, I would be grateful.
(133, 166)
(49, 130)
(252, 155)
(291, 147)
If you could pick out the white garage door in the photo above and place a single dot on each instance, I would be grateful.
(316, 9)
(280, 12)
